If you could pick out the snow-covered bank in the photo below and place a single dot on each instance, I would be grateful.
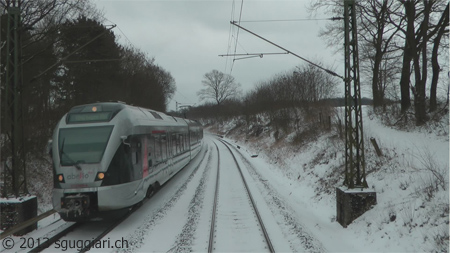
(411, 181)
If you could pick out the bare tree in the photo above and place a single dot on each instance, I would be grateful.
(377, 38)
(219, 87)
(421, 27)
(415, 25)
(314, 83)
(41, 19)
(443, 23)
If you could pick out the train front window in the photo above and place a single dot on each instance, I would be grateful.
(83, 144)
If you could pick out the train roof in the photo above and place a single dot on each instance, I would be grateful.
(108, 110)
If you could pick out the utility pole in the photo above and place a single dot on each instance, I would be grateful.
(350, 203)
(21, 207)
(355, 173)
(14, 170)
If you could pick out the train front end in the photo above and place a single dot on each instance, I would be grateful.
(84, 143)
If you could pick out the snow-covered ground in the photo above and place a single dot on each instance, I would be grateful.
(410, 179)
(296, 186)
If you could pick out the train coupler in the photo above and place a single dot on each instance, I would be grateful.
(76, 206)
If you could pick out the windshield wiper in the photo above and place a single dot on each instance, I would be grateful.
(61, 152)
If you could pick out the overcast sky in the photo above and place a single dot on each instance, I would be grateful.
(187, 37)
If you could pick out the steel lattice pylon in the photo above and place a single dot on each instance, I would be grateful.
(355, 174)
(14, 164)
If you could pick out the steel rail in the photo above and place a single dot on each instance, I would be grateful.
(58, 236)
(55, 238)
(213, 216)
(263, 228)
(25, 224)
(110, 228)
(116, 223)
(64, 232)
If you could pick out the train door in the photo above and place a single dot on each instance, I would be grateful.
(150, 154)
(136, 158)
(164, 140)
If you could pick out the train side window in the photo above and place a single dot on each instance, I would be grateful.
(174, 144)
(178, 144)
(135, 155)
(169, 146)
(136, 158)
(182, 142)
(150, 149)
(157, 149)
(163, 147)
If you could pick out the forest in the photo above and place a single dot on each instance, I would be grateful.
(67, 58)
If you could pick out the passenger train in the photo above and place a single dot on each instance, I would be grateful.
(108, 157)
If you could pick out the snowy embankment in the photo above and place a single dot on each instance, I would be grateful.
(410, 179)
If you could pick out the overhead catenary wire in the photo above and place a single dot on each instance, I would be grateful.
(125, 36)
(237, 35)
(186, 99)
(250, 55)
(229, 37)
(290, 20)
(76, 50)
(288, 51)
(129, 41)
(257, 54)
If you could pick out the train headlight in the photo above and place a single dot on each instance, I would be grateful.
(100, 176)
(60, 178)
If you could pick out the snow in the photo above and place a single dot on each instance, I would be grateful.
(294, 188)
(16, 200)
(236, 226)
(418, 218)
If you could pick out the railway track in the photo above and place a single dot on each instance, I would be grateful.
(232, 223)
(89, 233)
(213, 216)
(300, 237)
(55, 238)
(152, 219)
(58, 234)
(88, 239)
(234, 218)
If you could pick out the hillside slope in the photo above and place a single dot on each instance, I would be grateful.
(410, 178)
